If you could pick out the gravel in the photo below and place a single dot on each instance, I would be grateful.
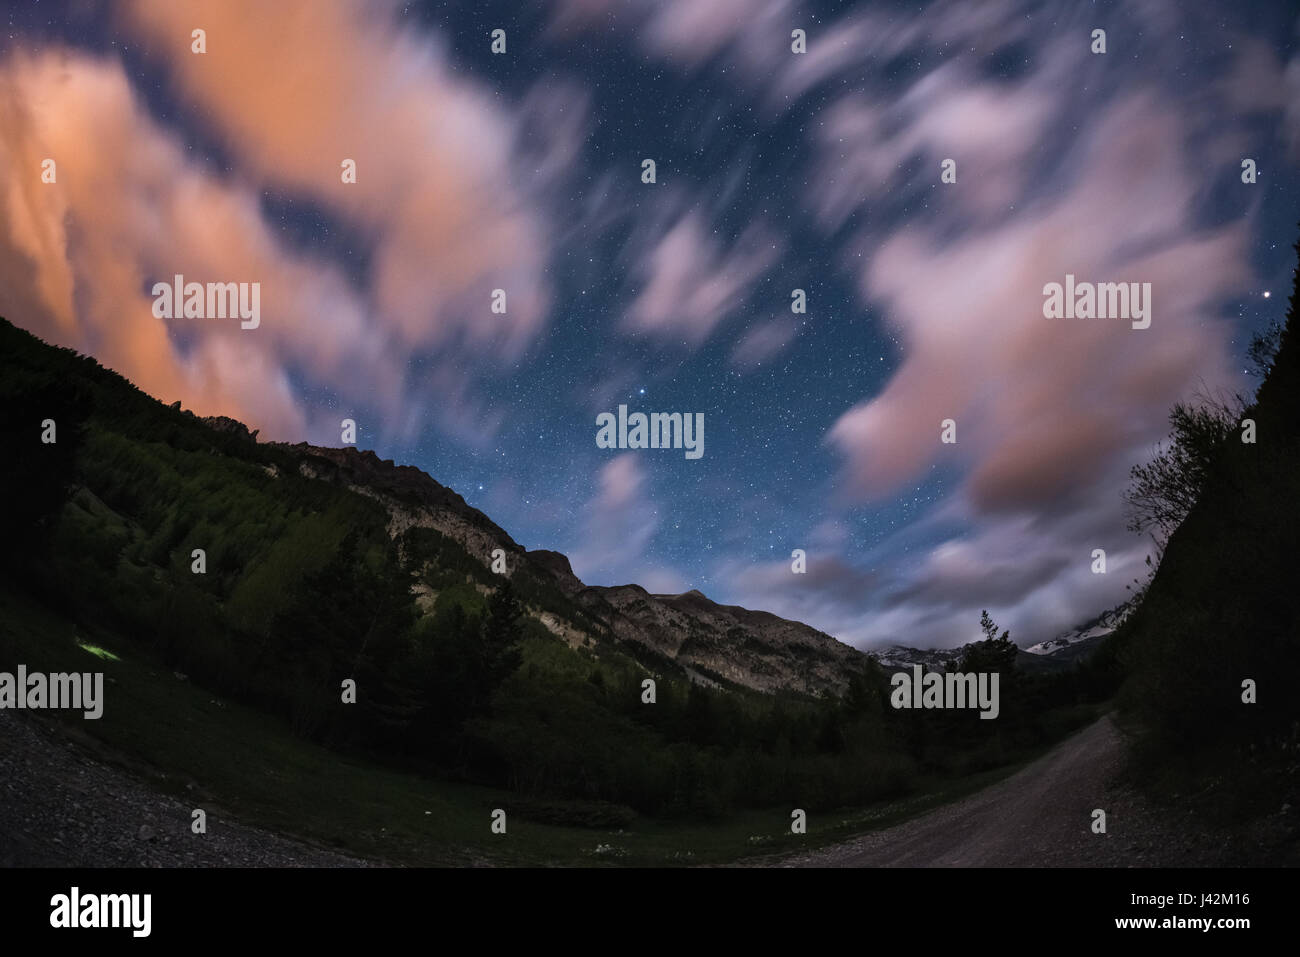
(60, 806)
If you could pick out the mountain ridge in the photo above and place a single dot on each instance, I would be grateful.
(712, 642)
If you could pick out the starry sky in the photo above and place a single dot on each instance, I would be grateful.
(775, 171)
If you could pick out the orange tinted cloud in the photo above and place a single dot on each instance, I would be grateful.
(298, 87)
(80, 252)
(289, 91)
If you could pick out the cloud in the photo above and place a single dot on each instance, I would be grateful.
(436, 189)
(1050, 413)
(1041, 405)
(620, 524)
(831, 591)
(762, 342)
(750, 40)
(989, 130)
(687, 32)
(696, 32)
(692, 282)
(1034, 573)
(1291, 110)
(82, 251)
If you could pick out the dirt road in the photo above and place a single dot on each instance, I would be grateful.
(1040, 817)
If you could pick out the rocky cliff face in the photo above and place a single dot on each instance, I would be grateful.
(412, 498)
(714, 643)
(751, 648)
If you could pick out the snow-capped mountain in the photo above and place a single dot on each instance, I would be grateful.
(1060, 651)
(1098, 627)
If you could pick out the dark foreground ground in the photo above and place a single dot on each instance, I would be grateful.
(61, 805)
(1042, 816)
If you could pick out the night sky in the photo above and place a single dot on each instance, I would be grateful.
(775, 171)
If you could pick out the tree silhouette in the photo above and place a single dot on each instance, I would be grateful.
(995, 653)
(1164, 490)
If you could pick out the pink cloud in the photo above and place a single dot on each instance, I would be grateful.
(1039, 404)
(692, 282)
(762, 342)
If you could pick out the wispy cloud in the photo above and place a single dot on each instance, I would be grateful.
(692, 281)
(620, 523)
